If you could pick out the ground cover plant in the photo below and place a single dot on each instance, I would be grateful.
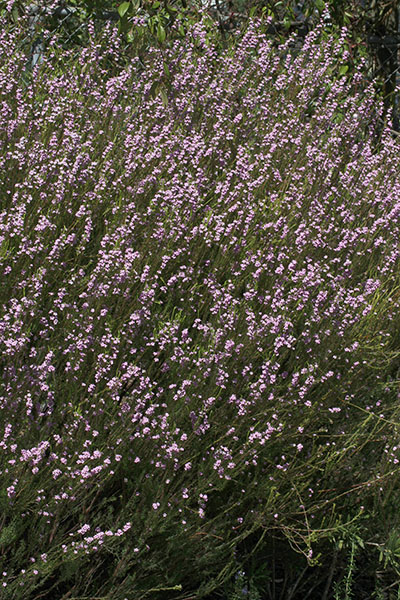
(199, 345)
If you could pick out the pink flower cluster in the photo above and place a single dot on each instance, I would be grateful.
(190, 282)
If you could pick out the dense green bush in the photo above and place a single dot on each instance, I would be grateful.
(199, 340)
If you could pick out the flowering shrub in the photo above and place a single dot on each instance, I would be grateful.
(199, 314)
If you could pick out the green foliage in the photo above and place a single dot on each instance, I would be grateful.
(243, 588)
(169, 556)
